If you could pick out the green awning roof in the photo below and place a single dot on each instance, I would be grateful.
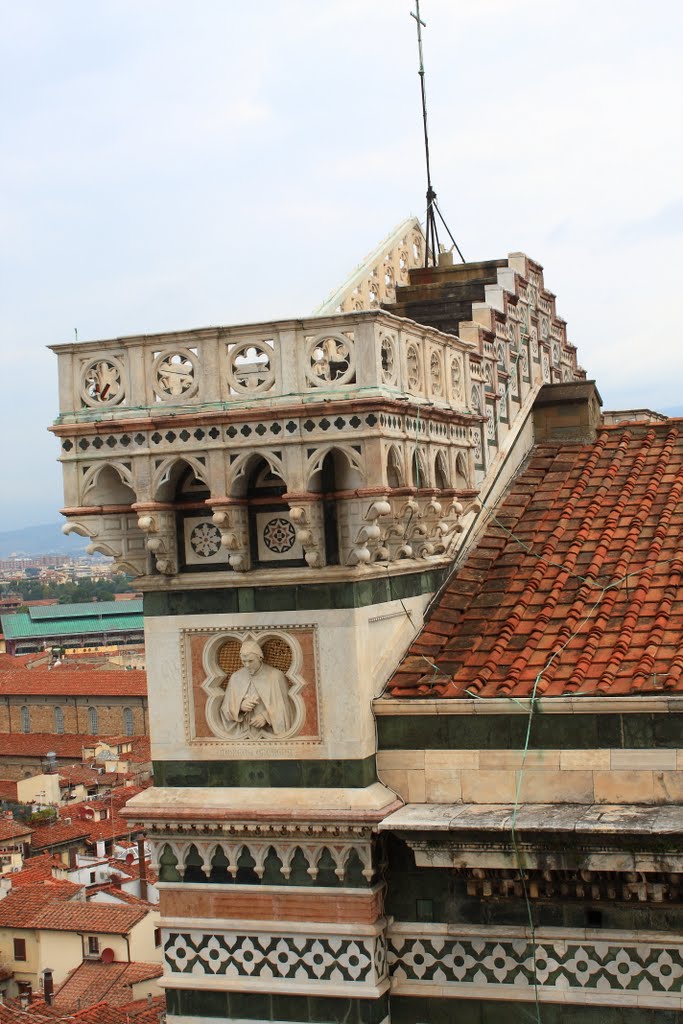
(84, 609)
(20, 625)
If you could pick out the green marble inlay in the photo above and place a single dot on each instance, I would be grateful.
(265, 1007)
(354, 774)
(299, 597)
(548, 731)
(409, 1009)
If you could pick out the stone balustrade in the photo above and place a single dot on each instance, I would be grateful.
(347, 355)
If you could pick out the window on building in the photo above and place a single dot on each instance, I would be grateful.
(92, 720)
(20, 949)
(59, 720)
(93, 945)
(128, 721)
(157, 936)
(25, 719)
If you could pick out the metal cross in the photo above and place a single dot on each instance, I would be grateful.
(420, 25)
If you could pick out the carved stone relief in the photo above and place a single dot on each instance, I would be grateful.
(102, 382)
(251, 366)
(330, 360)
(174, 375)
(253, 686)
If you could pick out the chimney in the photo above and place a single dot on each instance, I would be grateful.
(48, 987)
(143, 867)
(567, 412)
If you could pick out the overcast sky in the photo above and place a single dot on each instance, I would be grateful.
(166, 165)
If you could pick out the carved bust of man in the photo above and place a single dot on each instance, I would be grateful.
(257, 696)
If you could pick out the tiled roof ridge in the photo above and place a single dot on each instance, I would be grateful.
(545, 556)
(646, 663)
(608, 597)
(588, 581)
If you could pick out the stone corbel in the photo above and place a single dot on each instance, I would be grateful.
(306, 514)
(232, 521)
(113, 533)
(157, 522)
(442, 524)
(367, 545)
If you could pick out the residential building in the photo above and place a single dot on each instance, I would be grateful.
(50, 926)
(15, 843)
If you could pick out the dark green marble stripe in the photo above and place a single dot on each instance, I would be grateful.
(317, 774)
(265, 1007)
(548, 731)
(301, 597)
(409, 1009)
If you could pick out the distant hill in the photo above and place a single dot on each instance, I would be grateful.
(40, 540)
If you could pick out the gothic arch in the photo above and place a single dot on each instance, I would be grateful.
(461, 472)
(243, 467)
(108, 483)
(418, 467)
(348, 466)
(168, 474)
(441, 475)
(394, 468)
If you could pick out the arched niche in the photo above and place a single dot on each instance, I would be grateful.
(441, 472)
(394, 468)
(334, 473)
(461, 474)
(272, 534)
(418, 468)
(199, 539)
(181, 483)
(106, 486)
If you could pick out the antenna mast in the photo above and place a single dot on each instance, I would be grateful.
(431, 231)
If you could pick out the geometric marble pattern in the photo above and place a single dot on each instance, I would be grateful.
(296, 957)
(604, 967)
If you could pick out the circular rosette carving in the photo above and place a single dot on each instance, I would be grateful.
(102, 382)
(413, 368)
(456, 379)
(279, 535)
(251, 367)
(436, 374)
(174, 375)
(330, 360)
(389, 361)
(205, 540)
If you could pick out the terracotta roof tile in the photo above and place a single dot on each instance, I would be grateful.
(93, 981)
(583, 593)
(35, 906)
(75, 774)
(36, 869)
(66, 681)
(10, 829)
(21, 906)
(37, 744)
(58, 832)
